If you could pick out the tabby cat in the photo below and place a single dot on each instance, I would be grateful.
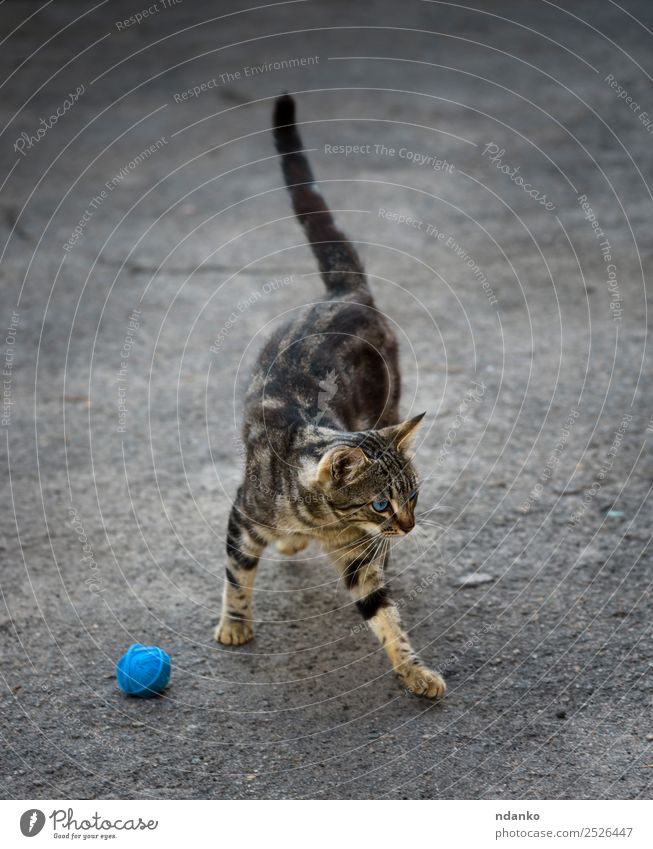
(327, 455)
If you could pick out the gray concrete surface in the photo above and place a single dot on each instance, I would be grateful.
(122, 439)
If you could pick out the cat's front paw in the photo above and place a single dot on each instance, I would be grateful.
(233, 632)
(424, 682)
(292, 545)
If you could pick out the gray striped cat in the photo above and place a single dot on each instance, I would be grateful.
(327, 456)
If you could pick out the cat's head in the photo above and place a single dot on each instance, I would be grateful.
(369, 480)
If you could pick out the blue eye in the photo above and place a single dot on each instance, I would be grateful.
(380, 505)
(413, 494)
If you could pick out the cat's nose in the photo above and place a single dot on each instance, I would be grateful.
(406, 523)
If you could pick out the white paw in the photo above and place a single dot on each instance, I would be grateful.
(233, 632)
(292, 545)
(424, 682)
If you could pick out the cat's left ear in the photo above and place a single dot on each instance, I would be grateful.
(342, 465)
(402, 434)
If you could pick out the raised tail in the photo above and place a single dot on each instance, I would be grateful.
(338, 262)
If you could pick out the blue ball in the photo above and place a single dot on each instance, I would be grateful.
(143, 670)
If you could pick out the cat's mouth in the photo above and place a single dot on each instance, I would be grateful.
(396, 533)
(386, 533)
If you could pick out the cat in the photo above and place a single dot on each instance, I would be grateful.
(327, 456)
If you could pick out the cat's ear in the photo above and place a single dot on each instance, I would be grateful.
(342, 464)
(406, 431)
(402, 434)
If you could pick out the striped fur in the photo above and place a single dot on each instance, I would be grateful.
(323, 436)
(337, 260)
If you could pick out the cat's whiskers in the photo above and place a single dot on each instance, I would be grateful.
(434, 508)
(347, 545)
(369, 546)
(380, 552)
(375, 552)
(418, 537)
(432, 523)
(435, 530)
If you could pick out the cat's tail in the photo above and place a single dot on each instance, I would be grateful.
(337, 259)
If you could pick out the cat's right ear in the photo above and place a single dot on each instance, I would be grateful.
(341, 465)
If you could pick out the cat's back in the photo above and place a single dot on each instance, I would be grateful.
(346, 340)
(328, 332)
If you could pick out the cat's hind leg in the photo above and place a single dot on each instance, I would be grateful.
(244, 548)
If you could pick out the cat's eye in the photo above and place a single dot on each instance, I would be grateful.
(380, 505)
(413, 494)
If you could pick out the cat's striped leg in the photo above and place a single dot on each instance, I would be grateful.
(363, 574)
(386, 624)
(244, 548)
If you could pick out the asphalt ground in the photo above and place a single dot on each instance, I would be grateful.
(492, 164)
